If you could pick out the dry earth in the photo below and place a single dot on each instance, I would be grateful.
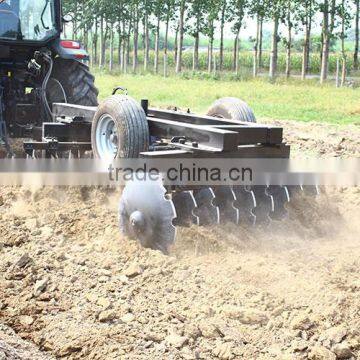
(71, 287)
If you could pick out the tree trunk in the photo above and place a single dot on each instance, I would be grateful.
(343, 52)
(91, 52)
(274, 50)
(325, 43)
(128, 46)
(304, 64)
(85, 37)
(288, 45)
(136, 44)
(157, 41)
(123, 56)
(260, 57)
(207, 55)
(146, 42)
(166, 44)
(176, 42)
(119, 43)
(196, 45)
(328, 29)
(74, 35)
(106, 36)
(306, 47)
(256, 48)
(181, 37)
(309, 46)
(356, 50)
(111, 58)
(237, 64)
(196, 52)
(123, 47)
(222, 25)
(337, 74)
(236, 53)
(343, 71)
(210, 58)
(94, 49)
(102, 45)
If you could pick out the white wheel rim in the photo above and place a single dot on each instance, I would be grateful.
(106, 137)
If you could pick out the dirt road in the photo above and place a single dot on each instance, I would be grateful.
(72, 287)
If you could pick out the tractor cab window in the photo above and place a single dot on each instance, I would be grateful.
(31, 20)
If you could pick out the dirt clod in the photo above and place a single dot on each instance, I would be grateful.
(321, 353)
(107, 315)
(133, 270)
(176, 340)
(40, 286)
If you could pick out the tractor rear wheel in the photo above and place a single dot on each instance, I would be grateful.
(75, 80)
(233, 109)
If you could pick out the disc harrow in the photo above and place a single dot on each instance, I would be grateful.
(257, 205)
(151, 211)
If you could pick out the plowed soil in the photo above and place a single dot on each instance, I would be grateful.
(72, 287)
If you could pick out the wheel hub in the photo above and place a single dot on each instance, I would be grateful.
(146, 214)
(114, 139)
(106, 137)
(137, 221)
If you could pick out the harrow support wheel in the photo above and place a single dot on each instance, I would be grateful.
(233, 109)
(119, 129)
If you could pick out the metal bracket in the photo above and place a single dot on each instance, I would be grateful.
(124, 90)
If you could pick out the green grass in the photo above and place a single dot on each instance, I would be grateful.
(285, 99)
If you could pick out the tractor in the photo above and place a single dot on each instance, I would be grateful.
(38, 68)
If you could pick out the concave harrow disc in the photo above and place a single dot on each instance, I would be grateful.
(225, 201)
(149, 214)
(185, 206)
(280, 196)
(264, 204)
(245, 203)
(207, 211)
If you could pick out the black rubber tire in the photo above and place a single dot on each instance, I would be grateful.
(77, 81)
(131, 123)
(233, 109)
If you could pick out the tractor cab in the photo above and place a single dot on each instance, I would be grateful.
(29, 21)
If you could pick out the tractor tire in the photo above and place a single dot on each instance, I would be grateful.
(119, 129)
(77, 82)
(233, 109)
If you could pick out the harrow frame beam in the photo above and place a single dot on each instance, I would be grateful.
(182, 134)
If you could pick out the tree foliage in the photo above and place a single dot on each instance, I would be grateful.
(148, 20)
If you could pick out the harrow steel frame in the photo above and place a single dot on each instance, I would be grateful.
(173, 134)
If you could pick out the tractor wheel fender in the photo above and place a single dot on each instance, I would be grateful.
(67, 53)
